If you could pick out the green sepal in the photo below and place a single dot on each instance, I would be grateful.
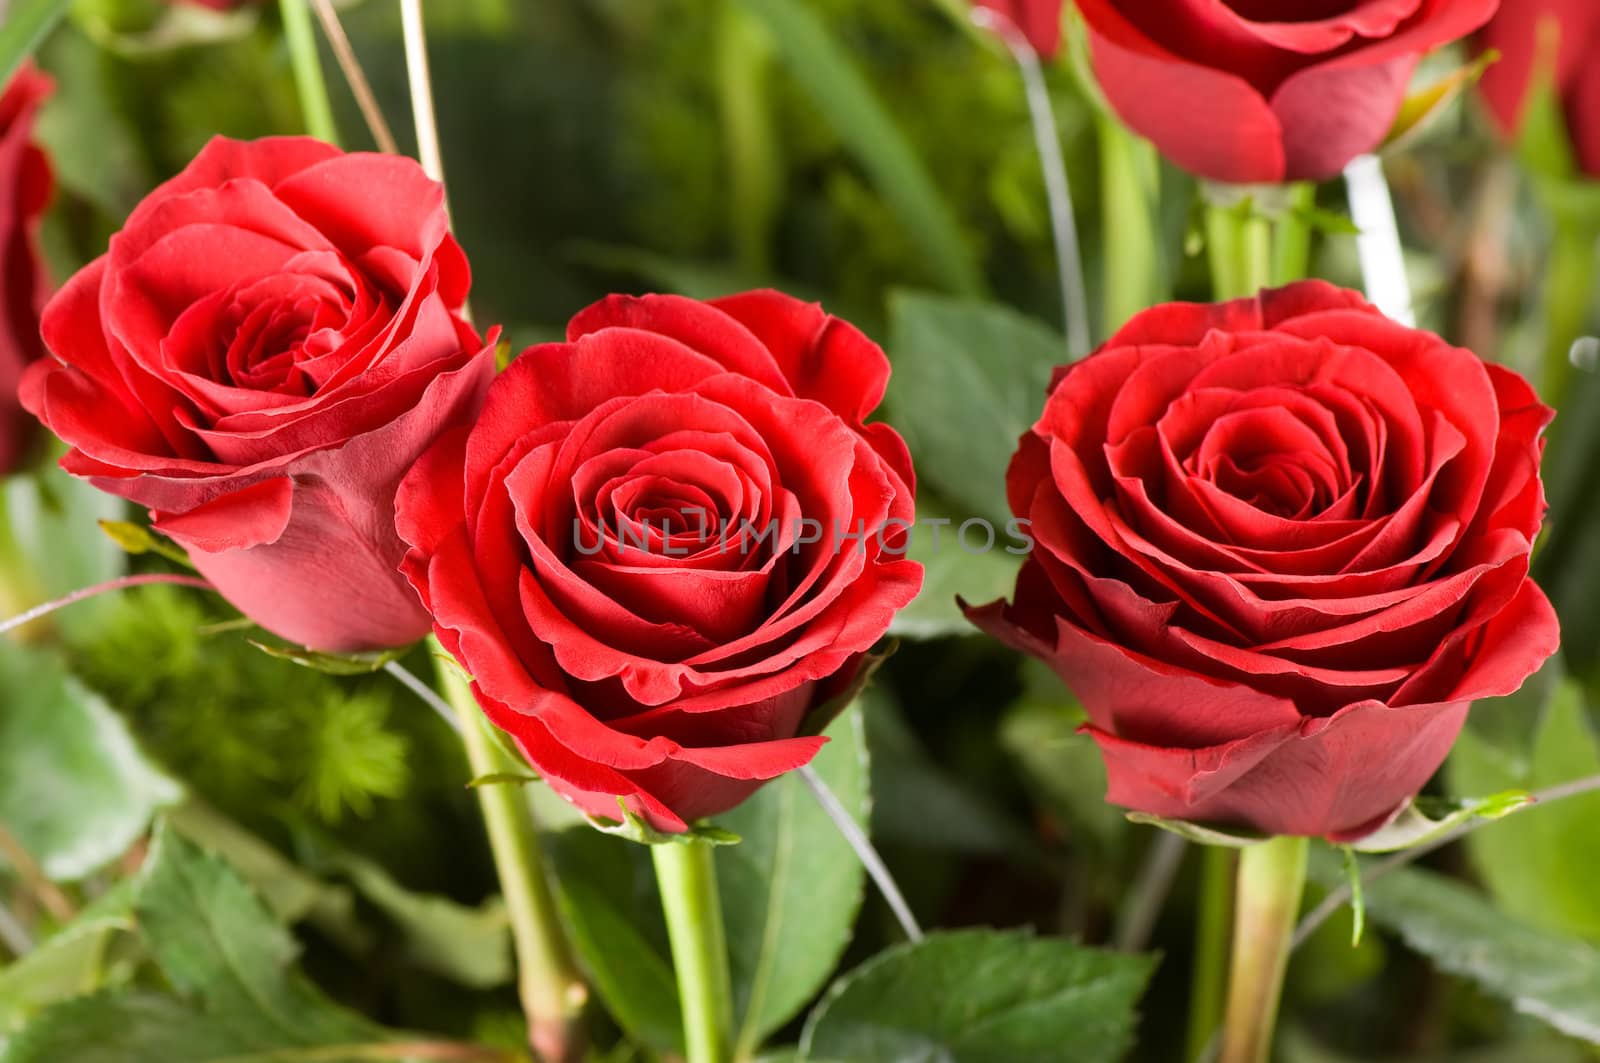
(635, 828)
(501, 778)
(822, 717)
(1419, 109)
(1427, 819)
(1358, 900)
(340, 664)
(137, 539)
(1203, 833)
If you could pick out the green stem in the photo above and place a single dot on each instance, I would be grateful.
(1239, 239)
(688, 878)
(1210, 972)
(755, 172)
(1222, 251)
(1569, 300)
(1272, 876)
(1291, 252)
(1129, 175)
(1240, 247)
(302, 43)
(551, 991)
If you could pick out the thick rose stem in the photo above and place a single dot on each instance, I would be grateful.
(687, 873)
(302, 44)
(1272, 876)
(1210, 968)
(550, 989)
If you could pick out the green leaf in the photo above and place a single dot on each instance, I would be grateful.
(471, 946)
(290, 892)
(1428, 819)
(969, 380)
(607, 894)
(1551, 978)
(1510, 724)
(50, 545)
(949, 572)
(71, 963)
(215, 941)
(1544, 142)
(23, 27)
(74, 788)
(1064, 770)
(137, 1027)
(238, 996)
(342, 664)
(981, 995)
(911, 791)
(1540, 869)
(791, 890)
(847, 101)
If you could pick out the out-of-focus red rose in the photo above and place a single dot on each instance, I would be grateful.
(1038, 20)
(1514, 32)
(1254, 91)
(666, 543)
(25, 185)
(268, 345)
(1282, 544)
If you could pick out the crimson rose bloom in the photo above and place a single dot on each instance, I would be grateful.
(638, 551)
(1259, 91)
(25, 184)
(1515, 33)
(266, 348)
(1282, 543)
(1038, 20)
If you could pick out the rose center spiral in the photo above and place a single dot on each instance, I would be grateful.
(275, 345)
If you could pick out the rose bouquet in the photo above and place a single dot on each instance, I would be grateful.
(824, 533)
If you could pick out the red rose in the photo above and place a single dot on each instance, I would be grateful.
(25, 184)
(268, 345)
(1241, 91)
(1038, 20)
(1282, 543)
(1514, 32)
(638, 551)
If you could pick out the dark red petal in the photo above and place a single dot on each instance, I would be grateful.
(699, 326)
(1334, 112)
(558, 383)
(268, 160)
(1324, 777)
(251, 516)
(360, 201)
(1212, 123)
